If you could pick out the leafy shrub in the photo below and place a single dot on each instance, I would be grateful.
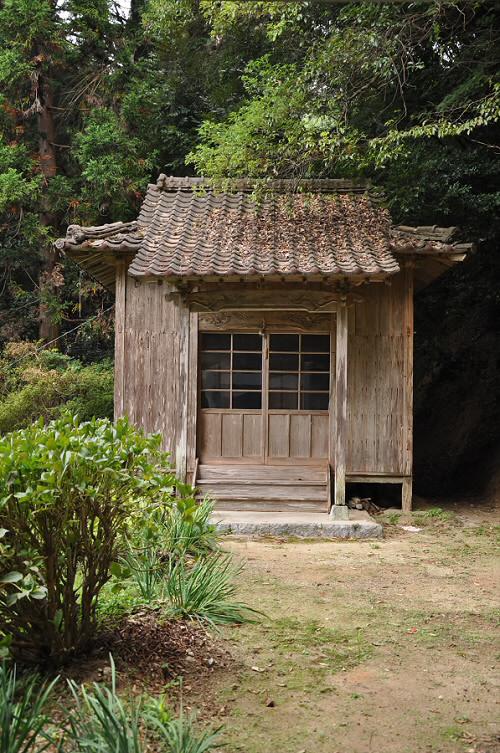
(205, 591)
(23, 717)
(44, 384)
(69, 493)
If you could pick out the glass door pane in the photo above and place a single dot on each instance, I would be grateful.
(299, 372)
(231, 371)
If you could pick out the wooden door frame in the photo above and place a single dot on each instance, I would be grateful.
(326, 327)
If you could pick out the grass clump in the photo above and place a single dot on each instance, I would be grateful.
(99, 721)
(102, 722)
(175, 562)
(205, 591)
(194, 535)
(23, 712)
(179, 734)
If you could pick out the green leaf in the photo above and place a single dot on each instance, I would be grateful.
(13, 577)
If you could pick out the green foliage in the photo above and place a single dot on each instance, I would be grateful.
(114, 165)
(46, 383)
(23, 712)
(393, 91)
(69, 493)
(165, 536)
(205, 591)
(100, 721)
(146, 568)
(192, 534)
(382, 90)
(179, 734)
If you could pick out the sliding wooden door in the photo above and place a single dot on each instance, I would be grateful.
(297, 382)
(231, 391)
(264, 397)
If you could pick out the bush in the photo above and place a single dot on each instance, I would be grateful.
(69, 494)
(46, 383)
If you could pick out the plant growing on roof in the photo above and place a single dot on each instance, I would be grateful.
(69, 493)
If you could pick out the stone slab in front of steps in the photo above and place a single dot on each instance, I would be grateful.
(309, 525)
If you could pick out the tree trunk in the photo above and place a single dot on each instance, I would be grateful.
(48, 329)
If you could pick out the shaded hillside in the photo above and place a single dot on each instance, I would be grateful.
(457, 377)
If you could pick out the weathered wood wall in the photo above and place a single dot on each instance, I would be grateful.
(152, 345)
(156, 372)
(379, 379)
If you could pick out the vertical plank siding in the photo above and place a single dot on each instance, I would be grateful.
(156, 385)
(153, 345)
(379, 382)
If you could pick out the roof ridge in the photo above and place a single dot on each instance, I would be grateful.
(170, 183)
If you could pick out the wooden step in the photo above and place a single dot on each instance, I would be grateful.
(252, 482)
(263, 472)
(270, 505)
(260, 487)
(262, 491)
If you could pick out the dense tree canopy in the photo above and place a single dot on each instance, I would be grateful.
(96, 98)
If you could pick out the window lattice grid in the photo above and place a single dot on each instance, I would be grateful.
(231, 371)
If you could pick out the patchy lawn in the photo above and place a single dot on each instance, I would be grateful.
(383, 647)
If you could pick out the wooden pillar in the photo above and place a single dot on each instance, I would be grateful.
(408, 390)
(192, 405)
(183, 391)
(407, 492)
(339, 509)
(120, 311)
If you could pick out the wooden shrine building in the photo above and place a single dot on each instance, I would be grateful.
(269, 340)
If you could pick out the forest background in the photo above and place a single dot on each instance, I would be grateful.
(97, 98)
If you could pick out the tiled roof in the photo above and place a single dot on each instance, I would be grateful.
(315, 228)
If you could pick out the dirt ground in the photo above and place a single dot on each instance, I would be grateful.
(366, 647)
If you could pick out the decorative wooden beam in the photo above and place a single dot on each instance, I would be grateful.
(263, 300)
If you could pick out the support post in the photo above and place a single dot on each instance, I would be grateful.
(120, 312)
(183, 374)
(339, 509)
(406, 493)
(408, 391)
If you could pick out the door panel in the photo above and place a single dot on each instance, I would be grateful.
(300, 436)
(264, 397)
(319, 435)
(278, 435)
(253, 446)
